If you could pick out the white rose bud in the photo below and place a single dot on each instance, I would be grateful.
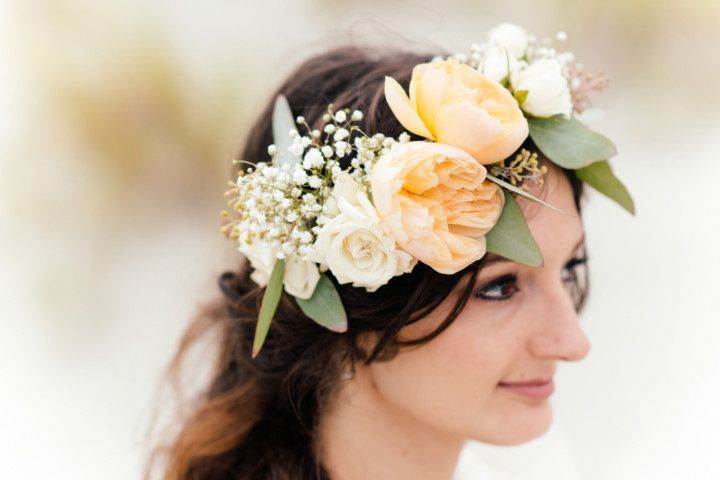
(510, 36)
(262, 259)
(300, 277)
(547, 87)
(346, 187)
(497, 63)
(330, 207)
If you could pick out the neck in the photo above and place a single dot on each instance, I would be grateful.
(362, 435)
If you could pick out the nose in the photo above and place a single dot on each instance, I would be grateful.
(558, 335)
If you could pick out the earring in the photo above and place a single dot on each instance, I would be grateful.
(348, 373)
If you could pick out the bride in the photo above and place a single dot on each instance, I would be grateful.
(429, 296)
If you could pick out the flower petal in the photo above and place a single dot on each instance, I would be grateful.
(403, 110)
(477, 132)
(427, 91)
(467, 251)
(468, 127)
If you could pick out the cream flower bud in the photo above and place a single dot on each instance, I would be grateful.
(512, 37)
(300, 277)
(345, 187)
(547, 87)
(497, 63)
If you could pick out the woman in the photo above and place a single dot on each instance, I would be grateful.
(428, 358)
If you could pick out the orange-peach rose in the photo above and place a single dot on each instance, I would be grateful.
(436, 202)
(453, 103)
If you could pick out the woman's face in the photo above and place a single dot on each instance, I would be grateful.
(489, 376)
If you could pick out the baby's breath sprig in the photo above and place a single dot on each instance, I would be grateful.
(520, 170)
(284, 203)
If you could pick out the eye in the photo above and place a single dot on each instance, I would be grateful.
(570, 270)
(501, 288)
(575, 276)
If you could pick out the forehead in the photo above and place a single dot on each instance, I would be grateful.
(556, 233)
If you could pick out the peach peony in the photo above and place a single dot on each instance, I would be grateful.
(436, 202)
(453, 103)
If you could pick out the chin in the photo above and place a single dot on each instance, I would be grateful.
(519, 426)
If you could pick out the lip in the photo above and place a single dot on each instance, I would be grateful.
(539, 389)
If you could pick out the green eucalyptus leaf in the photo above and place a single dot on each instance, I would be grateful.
(520, 96)
(270, 300)
(568, 142)
(600, 176)
(282, 122)
(324, 307)
(511, 237)
(522, 192)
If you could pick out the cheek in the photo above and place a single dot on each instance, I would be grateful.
(451, 381)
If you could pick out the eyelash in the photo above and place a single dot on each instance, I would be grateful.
(510, 279)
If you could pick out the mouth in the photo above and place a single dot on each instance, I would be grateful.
(539, 389)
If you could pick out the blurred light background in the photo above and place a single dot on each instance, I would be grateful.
(118, 123)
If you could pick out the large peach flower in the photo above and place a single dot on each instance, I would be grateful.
(453, 103)
(437, 203)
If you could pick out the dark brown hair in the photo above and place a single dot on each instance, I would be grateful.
(256, 419)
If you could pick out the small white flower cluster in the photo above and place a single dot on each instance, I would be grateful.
(554, 83)
(272, 206)
(282, 207)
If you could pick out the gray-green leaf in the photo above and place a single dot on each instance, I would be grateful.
(568, 142)
(270, 300)
(324, 307)
(600, 176)
(282, 122)
(511, 237)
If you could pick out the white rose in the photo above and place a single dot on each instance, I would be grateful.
(547, 87)
(510, 36)
(300, 277)
(497, 63)
(356, 247)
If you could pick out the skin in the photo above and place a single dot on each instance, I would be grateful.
(409, 417)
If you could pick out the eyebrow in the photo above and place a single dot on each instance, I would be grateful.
(493, 258)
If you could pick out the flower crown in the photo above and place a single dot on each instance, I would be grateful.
(444, 201)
